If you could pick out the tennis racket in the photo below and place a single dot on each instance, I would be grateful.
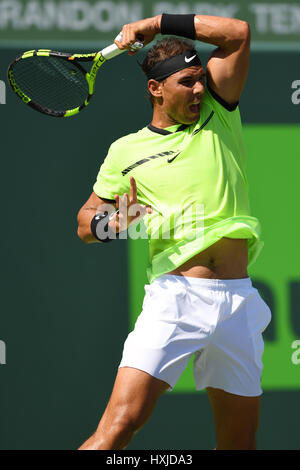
(56, 83)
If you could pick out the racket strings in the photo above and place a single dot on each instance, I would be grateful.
(52, 82)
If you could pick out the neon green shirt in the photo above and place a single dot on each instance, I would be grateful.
(194, 178)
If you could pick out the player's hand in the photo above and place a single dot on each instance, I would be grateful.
(143, 30)
(130, 211)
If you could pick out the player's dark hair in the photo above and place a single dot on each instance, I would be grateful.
(162, 50)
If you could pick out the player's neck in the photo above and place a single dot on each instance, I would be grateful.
(161, 120)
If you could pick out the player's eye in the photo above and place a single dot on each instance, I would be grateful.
(188, 83)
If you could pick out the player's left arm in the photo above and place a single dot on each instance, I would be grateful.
(228, 65)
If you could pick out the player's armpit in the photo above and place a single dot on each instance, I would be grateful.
(91, 207)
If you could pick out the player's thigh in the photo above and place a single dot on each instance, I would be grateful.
(134, 396)
(236, 419)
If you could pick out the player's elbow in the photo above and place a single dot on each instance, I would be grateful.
(244, 31)
(239, 37)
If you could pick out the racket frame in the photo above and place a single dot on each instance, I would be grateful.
(99, 58)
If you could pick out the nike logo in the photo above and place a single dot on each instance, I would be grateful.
(171, 159)
(189, 59)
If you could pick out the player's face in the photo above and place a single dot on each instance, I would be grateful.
(182, 95)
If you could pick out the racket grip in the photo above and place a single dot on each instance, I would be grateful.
(112, 51)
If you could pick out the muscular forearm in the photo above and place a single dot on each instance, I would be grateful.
(226, 33)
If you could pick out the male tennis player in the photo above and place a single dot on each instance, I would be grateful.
(189, 162)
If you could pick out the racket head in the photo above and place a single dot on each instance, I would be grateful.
(54, 83)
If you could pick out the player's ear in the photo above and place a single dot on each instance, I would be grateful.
(155, 88)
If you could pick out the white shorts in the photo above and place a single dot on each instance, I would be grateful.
(219, 321)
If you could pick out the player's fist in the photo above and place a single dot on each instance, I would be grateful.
(143, 30)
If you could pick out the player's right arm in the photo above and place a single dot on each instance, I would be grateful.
(93, 206)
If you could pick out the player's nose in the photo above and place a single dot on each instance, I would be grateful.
(199, 88)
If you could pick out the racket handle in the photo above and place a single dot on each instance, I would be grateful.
(112, 51)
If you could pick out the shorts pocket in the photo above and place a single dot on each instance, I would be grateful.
(163, 300)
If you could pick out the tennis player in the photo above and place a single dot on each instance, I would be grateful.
(189, 161)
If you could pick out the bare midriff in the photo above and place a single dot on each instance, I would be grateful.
(225, 259)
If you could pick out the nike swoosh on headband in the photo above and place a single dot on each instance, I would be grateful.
(189, 59)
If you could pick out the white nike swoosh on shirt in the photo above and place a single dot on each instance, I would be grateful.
(190, 59)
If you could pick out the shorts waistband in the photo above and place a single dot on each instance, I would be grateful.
(221, 284)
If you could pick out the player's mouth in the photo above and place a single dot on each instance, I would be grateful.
(195, 107)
